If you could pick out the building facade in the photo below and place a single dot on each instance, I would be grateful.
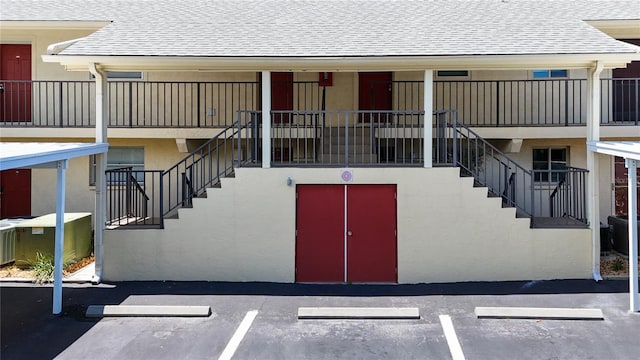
(392, 155)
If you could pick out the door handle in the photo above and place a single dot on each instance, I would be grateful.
(1, 88)
(349, 233)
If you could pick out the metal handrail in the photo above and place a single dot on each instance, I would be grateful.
(479, 158)
(196, 170)
(566, 203)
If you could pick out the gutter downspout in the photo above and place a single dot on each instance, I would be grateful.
(101, 166)
(593, 183)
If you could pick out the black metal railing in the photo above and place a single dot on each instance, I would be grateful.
(538, 194)
(213, 160)
(568, 198)
(347, 138)
(508, 103)
(174, 104)
(489, 166)
(134, 104)
(128, 201)
(167, 190)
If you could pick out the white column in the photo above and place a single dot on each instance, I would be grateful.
(632, 200)
(58, 256)
(266, 119)
(428, 118)
(101, 166)
(593, 134)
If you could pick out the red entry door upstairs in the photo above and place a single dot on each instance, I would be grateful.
(374, 93)
(281, 95)
(15, 76)
(15, 193)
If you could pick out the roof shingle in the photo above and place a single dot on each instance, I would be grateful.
(334, 28)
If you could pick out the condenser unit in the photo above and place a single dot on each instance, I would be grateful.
(38, 236)
(8, 240)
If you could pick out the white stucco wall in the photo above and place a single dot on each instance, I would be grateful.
(447, 231)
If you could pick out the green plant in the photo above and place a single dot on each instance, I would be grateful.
(617, 265)
(43, 268)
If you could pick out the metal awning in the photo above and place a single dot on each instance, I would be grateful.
(630, 151)
(25, 154)
(50, 155)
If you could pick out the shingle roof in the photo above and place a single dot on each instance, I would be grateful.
(314, 28)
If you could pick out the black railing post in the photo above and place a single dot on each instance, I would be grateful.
(130, 104)
(238, 140)
(128, 190)
(455, 138)
(566, 102)
(199, 112)
(184, 189)
(60, 103)
(161, 205)
(497, 103)
(346, 138)
(637, 97)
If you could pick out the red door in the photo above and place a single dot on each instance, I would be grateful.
(370, 234)
(320, 233)
(375, 94)
(626, 90)
(15, 193)
(281, 95)
(15, 85)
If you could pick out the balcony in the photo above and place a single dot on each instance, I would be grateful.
(213, 105)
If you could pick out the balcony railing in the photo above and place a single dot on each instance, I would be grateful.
(132, 104)
(153, 104)
(347, 138)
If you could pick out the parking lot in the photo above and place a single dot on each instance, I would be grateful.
(29, 331)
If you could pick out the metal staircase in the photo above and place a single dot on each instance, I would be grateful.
(560, 201)
(144, 198)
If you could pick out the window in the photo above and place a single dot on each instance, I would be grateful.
(548, 74)
(547, 162)
(119, 157)
(460, 74)
(463, 73)
(122, 75)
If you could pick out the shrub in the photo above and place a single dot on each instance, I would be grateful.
(617, 265)
(43, 268)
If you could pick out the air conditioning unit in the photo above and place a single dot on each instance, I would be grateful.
(8, 240)
(38, 235)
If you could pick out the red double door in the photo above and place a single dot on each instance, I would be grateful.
(346, 233)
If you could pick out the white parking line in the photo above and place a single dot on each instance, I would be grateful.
(237, 337)
(452, 339)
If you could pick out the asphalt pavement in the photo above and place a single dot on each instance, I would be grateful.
(29, 331)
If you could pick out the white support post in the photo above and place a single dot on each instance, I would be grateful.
(634, 300)
(58, 257)
(593, 134)
(428, 119)
(266, 119)
(101, 166)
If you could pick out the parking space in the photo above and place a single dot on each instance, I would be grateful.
(276, 332)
